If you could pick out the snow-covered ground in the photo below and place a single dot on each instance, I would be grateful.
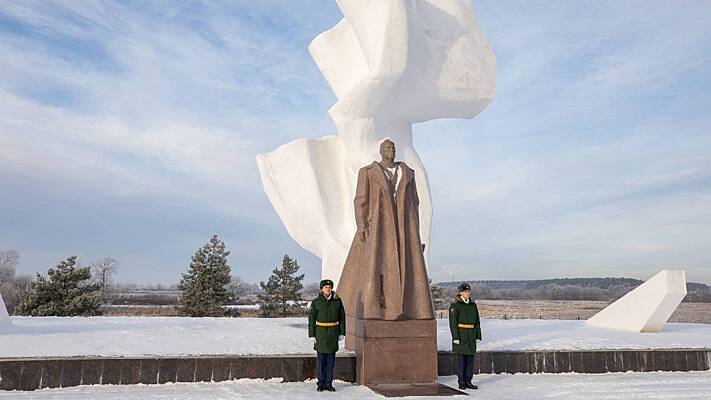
(630, 385)
(136, 336)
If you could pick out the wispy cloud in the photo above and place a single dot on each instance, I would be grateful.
(195, 93)
(161, 101)
(592, 160)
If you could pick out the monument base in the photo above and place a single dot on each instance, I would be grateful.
(411, 390)
(393, 352)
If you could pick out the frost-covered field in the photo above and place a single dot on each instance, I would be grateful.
(576, 309)
(630, 385)
(136, 336)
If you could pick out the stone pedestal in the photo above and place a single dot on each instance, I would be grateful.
(393, 352)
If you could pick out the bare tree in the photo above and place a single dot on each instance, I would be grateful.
(11, 284)
(8, 261)
(103, 269)
(23, 282)
(311, 290)
(238, 287)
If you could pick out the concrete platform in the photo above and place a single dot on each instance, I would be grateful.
(34, 373)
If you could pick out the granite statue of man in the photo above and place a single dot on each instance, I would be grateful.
(384, 276)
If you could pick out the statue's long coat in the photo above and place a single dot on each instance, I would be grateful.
(385, 276)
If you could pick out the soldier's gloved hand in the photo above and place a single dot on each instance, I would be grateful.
(456, 341)
(340, 338)
(313, 339)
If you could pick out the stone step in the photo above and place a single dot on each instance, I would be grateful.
(35, 373)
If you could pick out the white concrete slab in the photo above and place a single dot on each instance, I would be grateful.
(4, 317)
(646, 308)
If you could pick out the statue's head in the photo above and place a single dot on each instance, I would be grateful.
(387, 149)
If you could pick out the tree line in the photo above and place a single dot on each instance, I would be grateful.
(206, 288)
(84, 286)
(600, 289)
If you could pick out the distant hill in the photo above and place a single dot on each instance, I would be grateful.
(606, 289)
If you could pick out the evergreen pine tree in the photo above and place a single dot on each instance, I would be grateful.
(67, 291)
(204, 285)
(282, 292)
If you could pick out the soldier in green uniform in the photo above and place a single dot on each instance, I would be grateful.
(327, 326)
(465, 328)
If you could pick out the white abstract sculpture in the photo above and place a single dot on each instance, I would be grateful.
(390, 63)
(4, 316)
(646, 308)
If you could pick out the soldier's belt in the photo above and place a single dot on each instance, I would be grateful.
(319, 323)
(465, 326)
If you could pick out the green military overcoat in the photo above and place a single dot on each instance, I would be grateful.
(330, 312)
(466, 314)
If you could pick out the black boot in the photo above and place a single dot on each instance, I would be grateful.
(319, 388)
(462, 386)
(470, 386)
(330, 388)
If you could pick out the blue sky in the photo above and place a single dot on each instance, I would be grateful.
(129, 129)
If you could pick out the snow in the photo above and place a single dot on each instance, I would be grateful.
(143, 336)
(534, 334)
(630, 385)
